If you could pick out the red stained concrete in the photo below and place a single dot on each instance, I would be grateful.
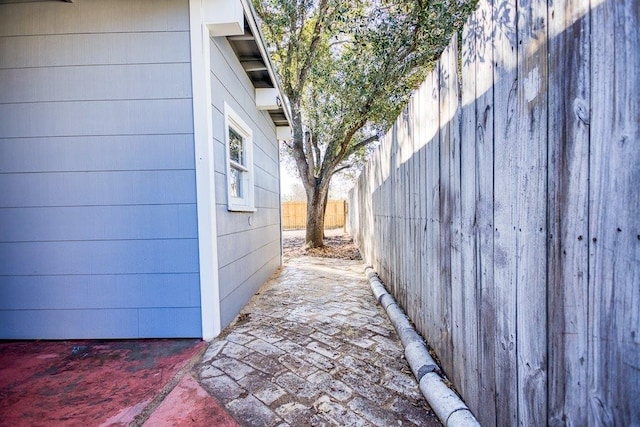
(86, 383)
(188, 404)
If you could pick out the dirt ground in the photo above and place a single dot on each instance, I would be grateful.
(337, 245)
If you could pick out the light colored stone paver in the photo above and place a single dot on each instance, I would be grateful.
(236, 351)
(252, 412)
(210, 371)
(213, 350)
(222, 388)
(270, 394)
(313, 348)
(232, 367)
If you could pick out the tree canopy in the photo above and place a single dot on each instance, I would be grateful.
(348, 69)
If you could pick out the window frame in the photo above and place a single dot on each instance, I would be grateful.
(245, 203)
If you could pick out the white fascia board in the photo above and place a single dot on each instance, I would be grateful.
(283, 133)
(268, 98)
(224, 17)
(255, 29)
(205, 173)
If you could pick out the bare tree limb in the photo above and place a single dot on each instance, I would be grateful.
(365, 142)
(341, 168)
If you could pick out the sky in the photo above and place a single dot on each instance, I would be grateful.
(340, 185)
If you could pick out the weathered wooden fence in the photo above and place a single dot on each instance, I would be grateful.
(503, 212)
(294, 215)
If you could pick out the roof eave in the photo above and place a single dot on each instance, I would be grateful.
(250, 16)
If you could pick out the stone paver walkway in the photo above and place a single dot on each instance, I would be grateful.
(314, 348)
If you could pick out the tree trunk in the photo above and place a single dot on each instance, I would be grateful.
(314, 179)
(316, 206)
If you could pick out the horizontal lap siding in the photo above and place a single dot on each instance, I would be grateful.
(66, 50)
(97, 118)
(117, 82)
(97, 176)
(99, 257)
(249, 246)
(258, 266)
(97, 153)
(97, 188)
(96, 291)
(138, 322)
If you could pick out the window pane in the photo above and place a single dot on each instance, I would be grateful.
(236, 183)
(236, 149)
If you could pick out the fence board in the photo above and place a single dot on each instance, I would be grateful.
(294, 215)
(448, 194)
(568, 211)
(614, 203)
(531, 219)
(413, 304)
(463, 313)
(485, 302)
(432, 294)
(505, 94)
(404, 206)
(464, 306)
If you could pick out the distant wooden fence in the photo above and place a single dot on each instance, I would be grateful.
(294, 215)
(503, 212)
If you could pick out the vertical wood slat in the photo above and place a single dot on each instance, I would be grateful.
(414, 299)
(614, 227)
(466, 369)
(530, 175)
(394, 213)
(431, 294)
(485, 302)
(419, 202)
(448, 193)
(568, 137)
(464, 289)
(455, 182)
(405, 194)
(505, 89)
(423, 135)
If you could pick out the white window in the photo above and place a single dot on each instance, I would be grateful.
(239, 147)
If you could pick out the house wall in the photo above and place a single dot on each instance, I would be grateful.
(249, 247)
(98, 225)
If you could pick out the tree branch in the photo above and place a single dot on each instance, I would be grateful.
(365, 142)
(309, 151)
(313, 46)
(286, 70)
(341, 168)
(316, 149)
(344, 146)
(339, 42)
(298, 151)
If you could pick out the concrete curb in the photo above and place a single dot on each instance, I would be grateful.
(449, 408)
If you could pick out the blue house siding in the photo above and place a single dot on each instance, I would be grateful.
(99, 291)
(248, 252)
(98, 224)
(240, 280)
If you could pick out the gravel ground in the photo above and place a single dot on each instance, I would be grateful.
(337, 245)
